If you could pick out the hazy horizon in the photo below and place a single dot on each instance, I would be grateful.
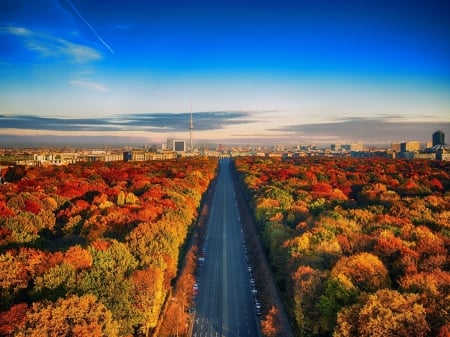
(266, 72)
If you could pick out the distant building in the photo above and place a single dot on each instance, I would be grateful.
(106, 157)
(424, 155)
(438, 138)
(139, 155)
(352, 147)
(408, 150)
(127, 156)
(335, 147)
(179, 146)
(410, 146)
(176, 145)
(439, 147)
(373, 154)
(58, 158)
(169, 146)
(395, 147)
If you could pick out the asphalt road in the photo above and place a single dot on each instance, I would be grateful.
(224, 304)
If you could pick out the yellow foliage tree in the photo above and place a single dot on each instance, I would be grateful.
(73, 316)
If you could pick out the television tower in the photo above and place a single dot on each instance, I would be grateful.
(191, 127)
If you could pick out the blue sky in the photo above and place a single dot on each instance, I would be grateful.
(255, 71)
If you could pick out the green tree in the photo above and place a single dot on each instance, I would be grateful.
(108, 280)
(55, 283)
(350, 277)
(307, 288)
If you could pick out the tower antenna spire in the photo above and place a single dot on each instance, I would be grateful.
(191, 127)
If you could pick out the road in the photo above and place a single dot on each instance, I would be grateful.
(224, 305)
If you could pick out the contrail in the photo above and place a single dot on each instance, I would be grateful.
(90, 27)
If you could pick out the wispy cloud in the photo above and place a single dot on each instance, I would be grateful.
(47, 45)
(19, 31)
(94, 86)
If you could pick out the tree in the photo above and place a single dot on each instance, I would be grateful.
(78, 257)
(307, 288)
(13, 319)
(131, 199)
(14, 278)
(339, 292)
(270, 325)
(349, 278)
(364, 270)
(121, 198)
(148, 295)
(434, 291)
(386, 313)
(73, 316)
(55, 283)
(108, 280)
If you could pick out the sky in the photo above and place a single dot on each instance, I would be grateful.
(289, 72)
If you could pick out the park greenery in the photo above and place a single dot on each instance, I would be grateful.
(357, 247)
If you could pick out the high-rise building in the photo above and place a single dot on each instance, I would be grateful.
(176, 145)
(335, 147)
(438, 138)
(169, 145)
(179, 145)
(352, 147)
(410, 146)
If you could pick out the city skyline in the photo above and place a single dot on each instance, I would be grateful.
(273, 72)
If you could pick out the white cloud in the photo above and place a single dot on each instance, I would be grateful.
(47, 45)
(94, 86)
(80, 53)
(19, 31)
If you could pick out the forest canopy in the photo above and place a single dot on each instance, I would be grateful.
(93, 247)
(358, 247)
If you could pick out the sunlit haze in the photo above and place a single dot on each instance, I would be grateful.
(255, 71)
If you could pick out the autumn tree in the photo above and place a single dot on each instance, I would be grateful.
(72, 316)
(307, 288)
(270, 325)
(385, 313)
(13, 319)
(433, 290)
(14, 279)
(148, 295)
(349, 278)
(78, 257)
